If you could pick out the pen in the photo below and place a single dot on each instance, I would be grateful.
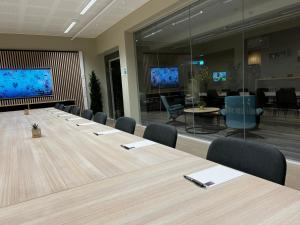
(198, 183)
(127, 148)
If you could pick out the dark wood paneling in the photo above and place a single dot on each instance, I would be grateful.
(65, 67)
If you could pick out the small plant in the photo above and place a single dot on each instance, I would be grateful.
(35, 126)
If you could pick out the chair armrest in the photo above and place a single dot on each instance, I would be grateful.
(223, 112)
(259, 111)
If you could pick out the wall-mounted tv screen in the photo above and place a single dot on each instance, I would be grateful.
(219, 76)
(25, 83)
(164, 77)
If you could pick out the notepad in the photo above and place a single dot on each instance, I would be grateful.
(85, 124)
(215, 175)
(107, 132)
(138, 144)
(74, 118)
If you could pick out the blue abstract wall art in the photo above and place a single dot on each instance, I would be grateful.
(25, 83)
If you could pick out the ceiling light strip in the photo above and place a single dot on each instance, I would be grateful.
(70, 27)
(88, 6)
(95, 18)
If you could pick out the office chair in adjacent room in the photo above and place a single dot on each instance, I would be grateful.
(241, 114)
(264, 161)
(174, 111)
(286, 99)
(161, 133)
(100, 117)
(125, 124)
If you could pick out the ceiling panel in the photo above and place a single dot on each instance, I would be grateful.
(52, 17)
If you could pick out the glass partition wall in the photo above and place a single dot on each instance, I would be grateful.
(221, 68)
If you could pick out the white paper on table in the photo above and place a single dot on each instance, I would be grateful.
(85, 124)
(107, 132)
(74, 118)
(64, 115)
(215, 175)
(138, 144)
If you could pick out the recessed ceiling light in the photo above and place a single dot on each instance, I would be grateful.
(88, 6)
(70, 27)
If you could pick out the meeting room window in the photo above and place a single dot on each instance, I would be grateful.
(225, 68)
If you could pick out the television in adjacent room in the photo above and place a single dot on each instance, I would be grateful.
(25, 83)
(164, 77)
(219, 76)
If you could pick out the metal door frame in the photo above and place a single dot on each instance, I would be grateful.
(111, 85)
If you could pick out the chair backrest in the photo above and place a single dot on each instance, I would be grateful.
(100, 117)
(61, 106)
(125, 124)
(161, 133)
(261, 97)
(212, 93)
(87, 114)
(56, 105)
(240, 112)
(76, 111)
(165, 102)
(286, 98)
(264, 161)
(67, 108)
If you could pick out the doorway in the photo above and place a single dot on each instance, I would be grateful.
(116, 108)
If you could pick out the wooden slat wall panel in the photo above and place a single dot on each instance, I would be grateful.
(65, 70)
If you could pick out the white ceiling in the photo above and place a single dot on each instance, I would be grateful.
(52, 17)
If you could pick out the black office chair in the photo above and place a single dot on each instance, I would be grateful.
(76, 111)
(126, 124)
(264, 161)
(213, 99)
(286, 99)
(67, 109)
(87, 114)
(61, 106)
(56, 105)
(161, 133)
(261, 99)
(100, 117)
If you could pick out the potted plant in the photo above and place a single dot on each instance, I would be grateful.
(202, 105)
(95, 93)
(36, 131)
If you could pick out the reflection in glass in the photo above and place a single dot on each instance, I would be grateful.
(225, 68)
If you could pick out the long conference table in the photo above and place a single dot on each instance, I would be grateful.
(71, 176)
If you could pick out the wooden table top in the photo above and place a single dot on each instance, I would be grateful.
(204, 110)
(71, 176)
